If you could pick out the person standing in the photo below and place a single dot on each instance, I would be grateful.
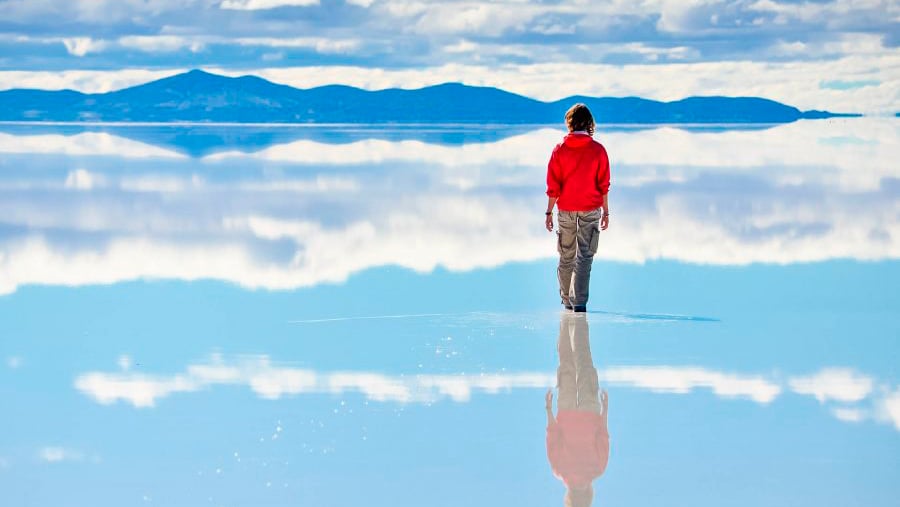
(578, 185)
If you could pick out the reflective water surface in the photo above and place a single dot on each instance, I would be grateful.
(222, 315)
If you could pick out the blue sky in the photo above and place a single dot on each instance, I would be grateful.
(840, 54)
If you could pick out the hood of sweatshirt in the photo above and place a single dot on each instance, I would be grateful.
(577, 140)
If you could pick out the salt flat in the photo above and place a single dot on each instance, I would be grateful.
(335, 321)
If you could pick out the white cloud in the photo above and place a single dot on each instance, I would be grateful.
(52, 454)
(679, 16)
(833, 384)
(161, 43)
(104, 12)
(80, 46)
(249, 5)
(482, 19)
(409, 32)
(324, 45)
(462, 46)
(170, 43)
(833, 14)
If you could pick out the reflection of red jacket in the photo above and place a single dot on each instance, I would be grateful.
(578, 173)
(578, 447)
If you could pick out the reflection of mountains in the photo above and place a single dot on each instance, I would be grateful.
(202, 140)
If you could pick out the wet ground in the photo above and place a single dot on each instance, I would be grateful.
(226, 316)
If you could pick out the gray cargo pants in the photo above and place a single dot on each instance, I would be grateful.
(577, 241)
(576, 377)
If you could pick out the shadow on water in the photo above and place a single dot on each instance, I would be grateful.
(657, 316)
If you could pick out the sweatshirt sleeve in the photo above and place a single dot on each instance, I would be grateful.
(602, 449)
(603, 172)
(554, 177)
(553, 444)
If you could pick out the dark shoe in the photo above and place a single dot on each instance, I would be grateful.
(579, 309)
(567, 307)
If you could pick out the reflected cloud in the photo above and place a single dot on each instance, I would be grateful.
(80, 179)
(139, 390)
(310, 212)
(853, 153)
(84, 144)
(53, 454)
(272, 382)
(833, 384)
(849, 414)
(889, 408)
(521, 150)
(680, 380)
(850, 396)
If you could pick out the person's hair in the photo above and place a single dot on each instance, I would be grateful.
(579, 117)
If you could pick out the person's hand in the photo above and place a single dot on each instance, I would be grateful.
(549, 399)
(604, 221)
(549, 222)
(604, 400)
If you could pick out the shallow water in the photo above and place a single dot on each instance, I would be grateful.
(343, 316)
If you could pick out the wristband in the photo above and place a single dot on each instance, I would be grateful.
(548, 213)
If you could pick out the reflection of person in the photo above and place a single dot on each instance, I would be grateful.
(577, 438)
(577, 184)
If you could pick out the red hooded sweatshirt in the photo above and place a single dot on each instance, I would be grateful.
(578, 447)
(578, 173)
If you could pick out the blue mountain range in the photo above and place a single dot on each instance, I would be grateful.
(198, 96)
